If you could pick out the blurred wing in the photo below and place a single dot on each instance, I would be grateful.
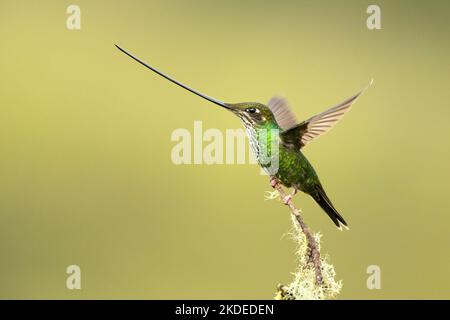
(303, 133)
(282, 112)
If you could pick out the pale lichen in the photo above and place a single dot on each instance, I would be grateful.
(304, 285)
(271, 195)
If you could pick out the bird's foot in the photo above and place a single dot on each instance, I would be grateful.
(288, 199)
(274, 182)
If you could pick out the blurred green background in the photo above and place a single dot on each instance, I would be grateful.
(86, 176)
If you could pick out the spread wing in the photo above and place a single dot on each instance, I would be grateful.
(282, 112)
(300, 135)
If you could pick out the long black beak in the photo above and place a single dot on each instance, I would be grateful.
(218, 102)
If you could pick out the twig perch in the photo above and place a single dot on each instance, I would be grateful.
(313, 252)
(315, 276)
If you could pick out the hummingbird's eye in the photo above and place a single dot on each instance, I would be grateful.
(251, 110)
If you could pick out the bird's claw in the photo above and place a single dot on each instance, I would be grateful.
(288, 199)
(273, 182)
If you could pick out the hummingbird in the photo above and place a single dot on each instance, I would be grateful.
(262, 120)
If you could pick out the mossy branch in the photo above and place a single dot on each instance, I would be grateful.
(313, 251)
(314, 278)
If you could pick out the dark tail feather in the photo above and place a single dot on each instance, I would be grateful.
(325, 203)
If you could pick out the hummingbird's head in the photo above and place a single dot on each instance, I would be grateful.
(252, 113)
